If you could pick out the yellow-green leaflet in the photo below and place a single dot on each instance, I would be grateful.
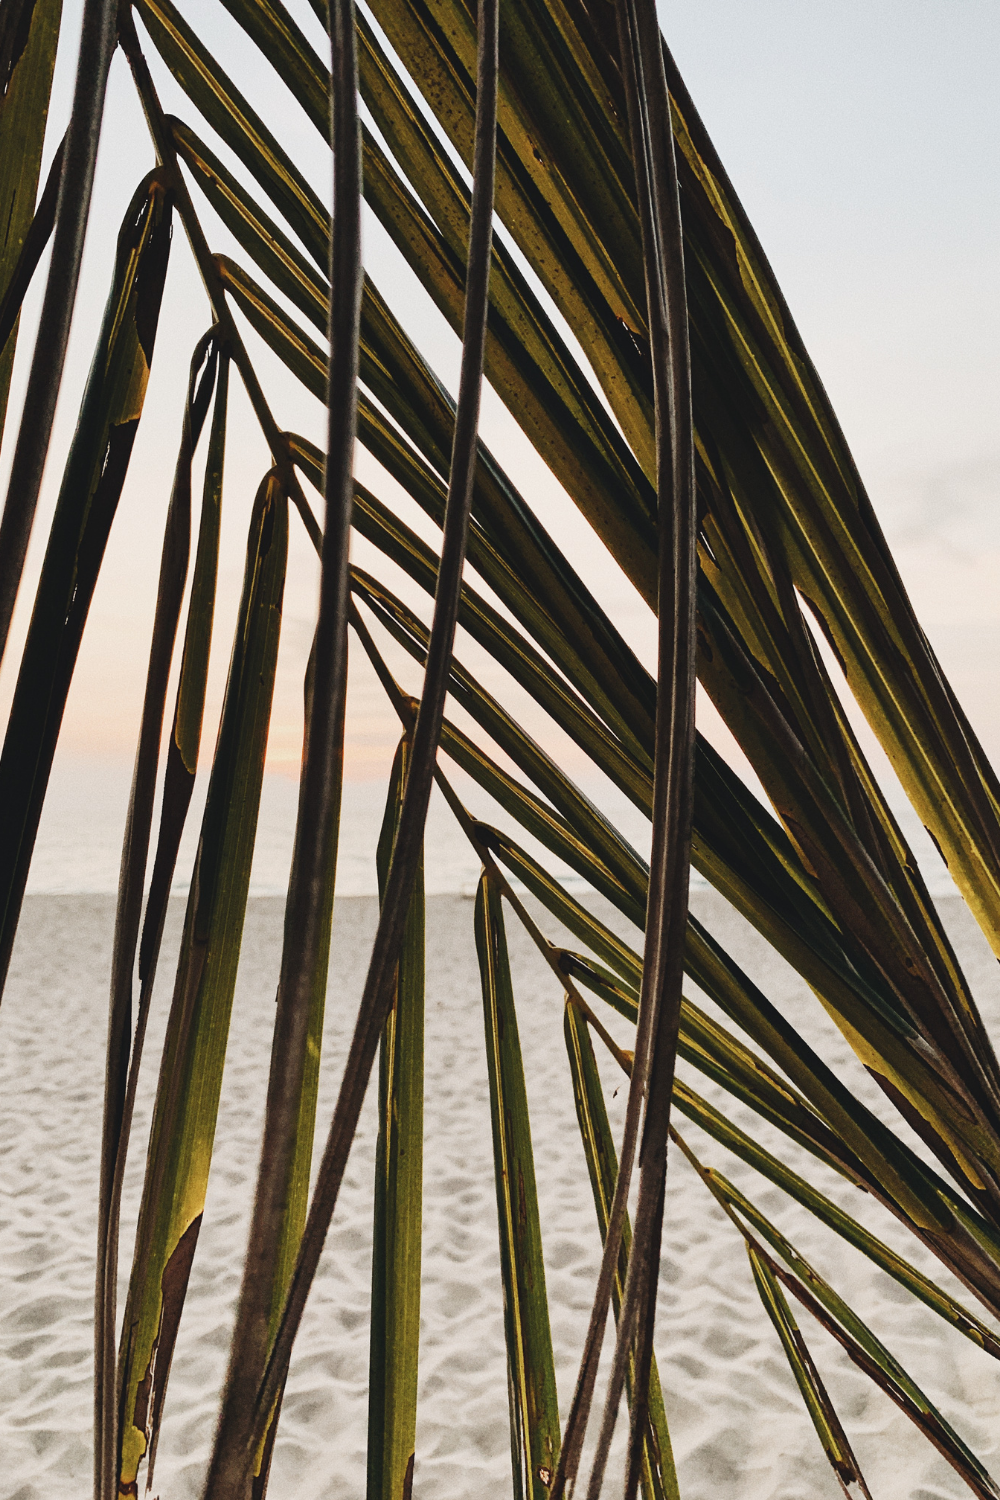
(91, 487)
(828, 1427)
(23, 114)
(183, 1130)
(659, 1477)
(531, 1385)
(396, 1256)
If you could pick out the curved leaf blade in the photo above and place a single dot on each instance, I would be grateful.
(531, 1383)
(183, 1129)
(658, 1476)
(395, 1324)
(85, 509)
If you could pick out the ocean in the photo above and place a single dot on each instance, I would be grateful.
(78, 849)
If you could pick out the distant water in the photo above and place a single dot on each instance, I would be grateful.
(78, 849)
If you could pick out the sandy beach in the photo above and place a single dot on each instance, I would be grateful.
(738, 1427)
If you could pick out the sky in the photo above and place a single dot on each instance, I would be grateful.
(864, 140)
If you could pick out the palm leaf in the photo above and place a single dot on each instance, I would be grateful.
(831, 1434)
(122, 1055)
(851, 1332)
(658, 1476)
(26, 63)
(194, 1053)
(29, 53)
(531, 1384)
(88, 497)
(395, 1338)
(682, 416)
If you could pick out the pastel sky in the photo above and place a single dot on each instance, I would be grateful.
(864, 138)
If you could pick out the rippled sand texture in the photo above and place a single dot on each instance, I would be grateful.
(738, 1428)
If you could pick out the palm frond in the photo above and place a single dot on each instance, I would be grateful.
(396, 1256)
(88, 497)
(828, 1426)
(31, 34)
(184, 1120)
(628, 319)
(531, 1383)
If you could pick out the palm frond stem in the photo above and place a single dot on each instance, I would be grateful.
(309, 907)
(663, 262)
(377, 995)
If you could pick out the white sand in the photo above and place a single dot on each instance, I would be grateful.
(738, 1427)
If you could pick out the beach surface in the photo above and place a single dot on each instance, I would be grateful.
(738, 1427)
